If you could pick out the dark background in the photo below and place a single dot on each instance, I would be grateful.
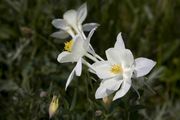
(30, 74)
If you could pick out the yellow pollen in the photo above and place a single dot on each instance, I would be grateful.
(68, 45)
(116, 69)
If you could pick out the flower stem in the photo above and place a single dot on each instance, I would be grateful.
(91, 57)
(87, 64)
(136, 92)
(99, 57)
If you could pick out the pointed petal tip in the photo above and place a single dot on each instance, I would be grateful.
(154, 62)
(114, 99)
(119, 34)
(119, 42)
(84, 4)
(82, 13)
(66, 88)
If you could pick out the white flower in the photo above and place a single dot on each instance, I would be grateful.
(72, 23)
(117, 71)
(76, 49)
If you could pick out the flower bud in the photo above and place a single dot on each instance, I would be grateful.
(53, 106)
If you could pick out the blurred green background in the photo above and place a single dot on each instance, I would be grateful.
(30, 74)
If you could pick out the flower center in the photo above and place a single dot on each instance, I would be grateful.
(68, 45)
(116, 69)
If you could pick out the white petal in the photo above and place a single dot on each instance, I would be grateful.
(76, 53)
(82, 13)
(71, 17)
(128, 72)
(143, 66)
(78, 47)
(70, 58)
(89, 26)
(117, 56)
(60, 34)
(78, 67)
(119, 42)
(62, 55)
(113, 55)
(123, 90)
(107, 87)
(70, 78)
(60, 24)
(91, 34)
(87, 42)
(91, 50)
(103, 69)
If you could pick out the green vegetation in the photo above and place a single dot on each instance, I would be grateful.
(30, 74)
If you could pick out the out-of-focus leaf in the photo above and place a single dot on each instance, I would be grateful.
(8, 86)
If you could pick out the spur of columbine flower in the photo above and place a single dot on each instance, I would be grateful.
(72, 23)
(75, 50)
(116, 72)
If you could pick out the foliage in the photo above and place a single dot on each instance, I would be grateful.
(30, 74)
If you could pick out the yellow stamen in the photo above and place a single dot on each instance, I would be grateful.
(116, 69)
(68, 45)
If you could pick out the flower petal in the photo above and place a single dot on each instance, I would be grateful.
(70, 78)
(70, 58)
(128, 72)
(71, 18)
(91, 50)
(78, 67)
(62, 55)
(82, 13)
(143, 66)
(87, 42)
(78, 47)
(107, 87)
(89, 26)
(117, 56)
(60, 34)
(76, 53)
(60, 24)
(123, 90)
(102, 69)
(119, 42)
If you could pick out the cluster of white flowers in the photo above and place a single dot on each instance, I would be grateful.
(115, 73)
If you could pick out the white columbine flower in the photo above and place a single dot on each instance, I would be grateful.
(75, 50)
(72, 23)
(117, 71)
